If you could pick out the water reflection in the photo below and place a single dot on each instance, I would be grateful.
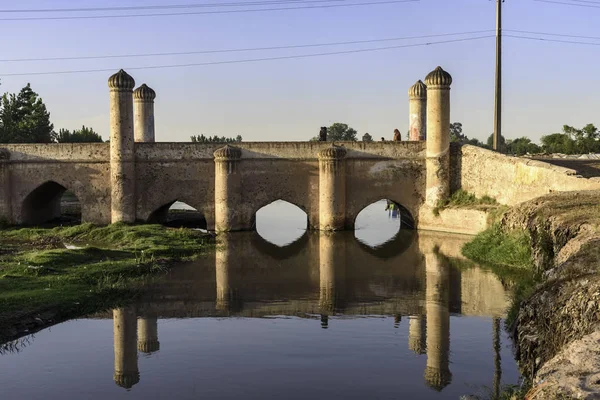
(333, 275)
(324, 317)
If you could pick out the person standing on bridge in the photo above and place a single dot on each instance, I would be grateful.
(397, 136)
(323, 134)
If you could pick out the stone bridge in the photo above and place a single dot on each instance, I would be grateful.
(132, 178)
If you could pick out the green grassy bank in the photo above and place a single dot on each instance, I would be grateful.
(40, 278)
(508, 255)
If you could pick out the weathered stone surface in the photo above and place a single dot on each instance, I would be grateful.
(438, 136)
(417, 111)
(144, 114)
(573, 373)
(510, 180)
(166, 172)
(455, 220)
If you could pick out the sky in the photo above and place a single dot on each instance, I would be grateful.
(545, 84)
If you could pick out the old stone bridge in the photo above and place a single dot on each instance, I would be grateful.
(132, 178)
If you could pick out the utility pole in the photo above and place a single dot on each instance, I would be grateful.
(498, 97)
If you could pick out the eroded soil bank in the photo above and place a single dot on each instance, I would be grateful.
(557, 328)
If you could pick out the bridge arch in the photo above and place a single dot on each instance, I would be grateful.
(43, 203)
(256, 207)
(281, 223)
(158, 212)
(187, 216)
(406, 212)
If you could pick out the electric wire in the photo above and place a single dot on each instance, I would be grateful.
(107, 56)
(567, 4)
(323, 6)
(249, 60)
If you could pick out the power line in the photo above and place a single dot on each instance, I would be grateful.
(567, 4)
(158, 7)
(207, 12)
(552, 40)
(249, 60)
(240, 49)
(553, 34)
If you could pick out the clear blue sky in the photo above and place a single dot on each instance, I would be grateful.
(546, 84)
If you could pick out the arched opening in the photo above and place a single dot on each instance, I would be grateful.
(281, 222)
(178, 214)
(51, 203)
(380, 222)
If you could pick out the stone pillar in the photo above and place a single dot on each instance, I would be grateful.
(417, 111)
(438, 136)
(417, 334)
(228, 189)
(143, 97)
(125, 337)
(332, 261)
(122, 157)
(223, 257)
(148, 334)
(437, 302)
(5, 188)
(332, 188)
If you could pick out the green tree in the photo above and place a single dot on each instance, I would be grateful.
(215, 139)
(501, 145)
(367, 138)
(521, 146)
(340, 132)
(558, 143)
(83, 135)
(24, 118)
(586, 139)
(456, 134)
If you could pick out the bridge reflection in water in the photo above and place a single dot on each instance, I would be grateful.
(321, 275)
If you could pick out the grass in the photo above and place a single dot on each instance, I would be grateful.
(461, 198)
(37, 273)
(508, 255)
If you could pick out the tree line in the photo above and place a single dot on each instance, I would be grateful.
(570, 141)
(25, 119)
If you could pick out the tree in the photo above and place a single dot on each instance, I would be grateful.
(340, 132)
(215, 139)
(83, 135)
(558, 143)
(367, 138)
(501, 144)
(456, 134)
(586, 139)
(24, 118)
(521, 146)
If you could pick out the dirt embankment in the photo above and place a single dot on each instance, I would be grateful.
(557, 331)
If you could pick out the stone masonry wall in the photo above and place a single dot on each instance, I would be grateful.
(510, 180)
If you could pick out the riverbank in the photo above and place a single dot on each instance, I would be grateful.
(51, 275)
(555, 321)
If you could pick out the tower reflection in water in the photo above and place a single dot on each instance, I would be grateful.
(320, 276)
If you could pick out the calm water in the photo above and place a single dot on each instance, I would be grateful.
(283, 314)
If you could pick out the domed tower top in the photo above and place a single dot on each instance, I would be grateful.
(144, 93)
(121, 81)
(228, 153)
(332, 153)
(418, 90)
(438, 77)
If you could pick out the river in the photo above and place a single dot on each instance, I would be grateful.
(282, 313)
